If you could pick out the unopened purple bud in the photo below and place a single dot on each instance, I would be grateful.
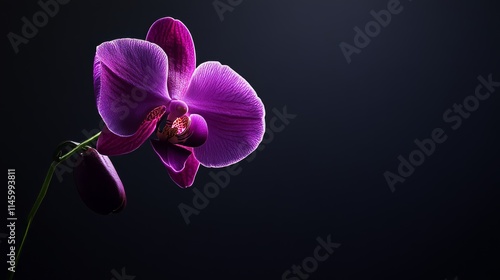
(98, 183)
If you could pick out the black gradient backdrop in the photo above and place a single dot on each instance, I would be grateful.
(322, 175)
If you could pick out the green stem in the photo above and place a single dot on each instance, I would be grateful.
(43, 191)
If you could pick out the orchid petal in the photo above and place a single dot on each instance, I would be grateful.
(129, 81)
(174, 38)
(111, 144)
(174, 157)
(233, 111)
(185, 178)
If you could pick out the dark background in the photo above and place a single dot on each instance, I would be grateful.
(322, 175)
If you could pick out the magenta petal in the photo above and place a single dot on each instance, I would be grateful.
(112, 145)
(129, 81)
(174, 38)
(198, 130)
(233, 111)
(185, 178)
(174, 157)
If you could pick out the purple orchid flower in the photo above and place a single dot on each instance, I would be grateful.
(152, 88)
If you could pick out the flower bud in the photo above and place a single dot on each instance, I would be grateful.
(98, 183)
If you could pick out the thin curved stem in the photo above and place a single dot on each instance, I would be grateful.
(43, 192)
(79, 147)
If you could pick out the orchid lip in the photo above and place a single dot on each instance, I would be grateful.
(176, 131)
(181, 128)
